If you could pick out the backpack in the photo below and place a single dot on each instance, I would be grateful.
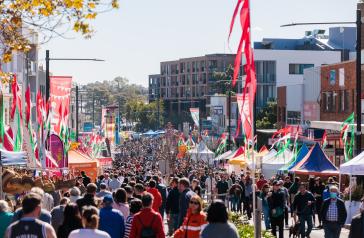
(147, 231)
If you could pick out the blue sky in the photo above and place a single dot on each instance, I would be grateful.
(135, 38)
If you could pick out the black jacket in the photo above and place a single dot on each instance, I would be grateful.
(300, 203)
(87, 200)
(163, 191)
(340, 209)
(172, 204)
(276, 200)
(357, 226)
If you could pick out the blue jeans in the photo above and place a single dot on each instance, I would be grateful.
(266, 217)
(303, 218)
(173, 223)
(332, 229)
(235, 200)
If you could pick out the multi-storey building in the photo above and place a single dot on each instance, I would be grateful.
(284, 63)
(188, 82)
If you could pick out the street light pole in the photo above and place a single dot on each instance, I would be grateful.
(358, 81)
(358, 23)
(76, 113)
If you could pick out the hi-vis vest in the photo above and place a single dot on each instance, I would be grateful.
(192, 226)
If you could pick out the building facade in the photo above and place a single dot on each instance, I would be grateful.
(188, 82)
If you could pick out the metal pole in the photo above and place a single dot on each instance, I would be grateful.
(93, 109)
(229, 122)
(76, 112)
(158, 113)
(47, 86)
(358, 81)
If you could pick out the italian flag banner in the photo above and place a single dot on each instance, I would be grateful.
(348, 136)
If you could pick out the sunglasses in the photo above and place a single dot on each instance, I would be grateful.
(195, 203)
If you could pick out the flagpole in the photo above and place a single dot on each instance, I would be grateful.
(257, 230)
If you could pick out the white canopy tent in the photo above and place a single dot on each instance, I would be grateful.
(272, 162)
(354, 167)
(202, 153)
(224, 156)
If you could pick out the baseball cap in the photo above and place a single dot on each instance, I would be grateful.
(108, 199)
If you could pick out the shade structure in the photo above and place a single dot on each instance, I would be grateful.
(150, 133)
(238, 157)
(315, 163)
(355, 166)
(202, 153)
(78, 161)
(224, 156)
(302, 152)
(273, 161)
(10, 158)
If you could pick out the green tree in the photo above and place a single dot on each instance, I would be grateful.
(145, 115)
(222, 81)
(49, 18)
(267, 117)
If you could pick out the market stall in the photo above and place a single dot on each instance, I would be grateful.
(202, 153)
(273, 161)
(77, 162)
(302, 152)
(315, 163)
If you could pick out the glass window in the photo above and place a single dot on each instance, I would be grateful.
(298, 68)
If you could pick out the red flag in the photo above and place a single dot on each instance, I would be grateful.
(27, 109)
(249, 68)
(13, 90)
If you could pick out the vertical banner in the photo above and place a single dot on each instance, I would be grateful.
(245, 114)
(195, 114)
(103, 120)
(57, 151)
(60, 93)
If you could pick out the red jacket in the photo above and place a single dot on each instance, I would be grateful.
(192, 225)
(157, 202)
(145, 217)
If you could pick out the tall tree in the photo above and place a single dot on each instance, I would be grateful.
(49, 18)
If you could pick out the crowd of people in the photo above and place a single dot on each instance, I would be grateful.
(133, 199)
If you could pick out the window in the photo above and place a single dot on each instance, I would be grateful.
(293, 117)
(343, 101)
(298, 68)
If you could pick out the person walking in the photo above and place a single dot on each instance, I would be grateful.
(111, 220)
(86, 180)
(103, 191)
(317, 191)
(248, 195)
(333, 214)
(303, 206)
(172, 207)
(222, 188)
(264, 196)
(114, 183)
(90, 221)
(71, 221)
(235, 196)
(276, 207)
(194, 222)
(57, 213)
(135, 207)
(157, 202)
(5, 217)
(357, 224)
(89, 199)
(162, 189)
(121, 202)
(218, 225)
(29, 225)
(147, 222)
(184, 198)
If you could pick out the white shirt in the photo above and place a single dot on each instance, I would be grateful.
(88, 233)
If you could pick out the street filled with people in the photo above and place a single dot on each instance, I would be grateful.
(134, 198)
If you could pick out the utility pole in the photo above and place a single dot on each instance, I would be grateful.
(158, 113)
(47, 88)
(76, 112)
(229, 122)
(358, 81)
(93, 109)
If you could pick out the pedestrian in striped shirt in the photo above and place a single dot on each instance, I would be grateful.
(135, 207)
